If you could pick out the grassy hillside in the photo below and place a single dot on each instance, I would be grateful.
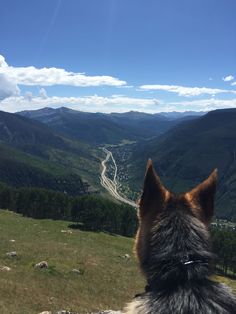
(107, 279)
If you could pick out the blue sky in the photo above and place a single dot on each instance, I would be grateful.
(118, 55)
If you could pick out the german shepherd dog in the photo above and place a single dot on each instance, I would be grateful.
(173, 248)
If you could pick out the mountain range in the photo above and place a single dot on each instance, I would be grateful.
(54, 148)
(100, 128)
(186, 155)
(60, 149)
(31, 154)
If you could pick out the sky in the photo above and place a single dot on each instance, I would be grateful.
(118, 55)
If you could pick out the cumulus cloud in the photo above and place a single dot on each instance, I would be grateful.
(228, 78)
(42, 93)
(7, 87)
(54, 76)
(28, 96)
(115, 103)
(205, 104)
(92, 103)
(186, 91)
(3, 63)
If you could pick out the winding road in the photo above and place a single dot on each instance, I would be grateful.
(111, 185)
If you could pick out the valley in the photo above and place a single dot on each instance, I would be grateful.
(99, 178)
(111, 185)
(56, 148)
(117, 157)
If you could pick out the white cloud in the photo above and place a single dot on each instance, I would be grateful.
(42, 93)
(205, 104)
(93, 103)
(3, 63)
(186, 91)
(7, 88)
(32, 76)
(28, 96)
(115, 103)
(233, 84)
(228, 78)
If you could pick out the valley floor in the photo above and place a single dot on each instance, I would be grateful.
(106, 277)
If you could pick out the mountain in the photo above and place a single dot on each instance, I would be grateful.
(173, 115)
(90, 127)
(31, 154)
(185, 155)
(51, 148)
(99, 128)
(137, 115)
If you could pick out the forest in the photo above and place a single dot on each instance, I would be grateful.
(89, 212)
(224, 246)
(96, 213)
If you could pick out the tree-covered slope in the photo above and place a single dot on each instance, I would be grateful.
(99, 128)
(187, 154)
(31, 154)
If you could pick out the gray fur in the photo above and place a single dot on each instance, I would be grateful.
(176, 287)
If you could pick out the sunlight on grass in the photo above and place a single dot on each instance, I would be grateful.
(104, 279)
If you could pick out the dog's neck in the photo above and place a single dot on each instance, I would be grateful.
(179, 253)
(173, 272)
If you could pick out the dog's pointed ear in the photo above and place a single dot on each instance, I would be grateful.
(154, 192)
(202, 197)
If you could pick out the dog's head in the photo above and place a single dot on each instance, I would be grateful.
(156, 200)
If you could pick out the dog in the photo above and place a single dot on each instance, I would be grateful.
(173, 248)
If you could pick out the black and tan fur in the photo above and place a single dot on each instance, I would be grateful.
(173, 248)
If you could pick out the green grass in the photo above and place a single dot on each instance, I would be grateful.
(228, 281)
(107, 279)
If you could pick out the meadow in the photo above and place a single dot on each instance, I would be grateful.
(105, 278)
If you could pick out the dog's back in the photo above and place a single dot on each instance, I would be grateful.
(215, 299)
(173, 249)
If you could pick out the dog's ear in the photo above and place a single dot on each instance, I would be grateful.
(154, 193)
(202, 198)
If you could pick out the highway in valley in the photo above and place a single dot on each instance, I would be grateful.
(111, 184)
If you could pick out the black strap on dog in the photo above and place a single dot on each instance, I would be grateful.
(187, 260)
